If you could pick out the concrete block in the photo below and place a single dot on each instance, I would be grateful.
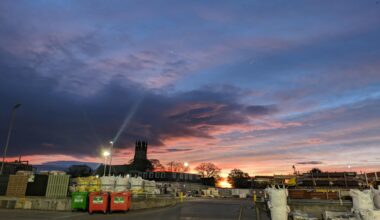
(20, 203)
(28, 204)
(36, 204)
(11, 204)
(45, 205)
(62, 205)
(3, 204)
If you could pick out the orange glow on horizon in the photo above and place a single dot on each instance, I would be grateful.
(223, 183)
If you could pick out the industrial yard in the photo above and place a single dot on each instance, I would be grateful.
(123, 190)
(190, 110)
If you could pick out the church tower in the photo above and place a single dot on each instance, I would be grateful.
(141, 148)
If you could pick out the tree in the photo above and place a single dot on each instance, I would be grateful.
(207, 170)
(175, 166)
(157, 166)
(238, 179)
(79, 171)
(315, 170)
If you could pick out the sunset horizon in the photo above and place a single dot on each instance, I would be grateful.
(257, 86)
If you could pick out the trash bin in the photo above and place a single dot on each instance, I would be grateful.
(79, 200)
(120, 201)
(98, 202)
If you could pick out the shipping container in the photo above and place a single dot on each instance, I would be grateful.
(57, 186)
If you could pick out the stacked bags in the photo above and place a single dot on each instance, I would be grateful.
(88, 184)
(364, 204)
(108, 183)
(277, 203)
(149, 186)
(136, 185)
(122, 184)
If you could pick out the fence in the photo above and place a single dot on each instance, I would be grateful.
(57, 186)
(17, 185)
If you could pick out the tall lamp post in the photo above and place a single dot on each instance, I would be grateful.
(9, 135)
(105, 155)
(111, 153)
(186, 165)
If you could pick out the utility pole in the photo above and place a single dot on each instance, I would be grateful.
(9, 135)
(111, 154)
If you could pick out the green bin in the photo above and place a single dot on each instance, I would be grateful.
(79, 200)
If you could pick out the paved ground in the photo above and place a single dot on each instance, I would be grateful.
(189, 210)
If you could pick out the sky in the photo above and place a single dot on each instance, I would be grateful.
(255, 85)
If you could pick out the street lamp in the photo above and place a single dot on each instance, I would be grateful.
(186, 165)
(9, 135)
(105, 155)
(111, 153)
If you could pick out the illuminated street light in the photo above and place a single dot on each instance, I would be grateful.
(105, 155)
(186, 165)
(111, 153)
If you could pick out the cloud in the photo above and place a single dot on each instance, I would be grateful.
(313, 162)
(223, 81)
(56, 121)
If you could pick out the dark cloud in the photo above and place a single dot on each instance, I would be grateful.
(257, 110)
(178, 150)
(313, 162)
(52, 120)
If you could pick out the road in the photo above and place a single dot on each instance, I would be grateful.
(190, 210)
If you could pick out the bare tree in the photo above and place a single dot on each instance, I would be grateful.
(238, 178)
(207, 170)
(175, 166)
(157, 166)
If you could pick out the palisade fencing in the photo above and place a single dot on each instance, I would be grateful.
(58, 186)
(17, 185)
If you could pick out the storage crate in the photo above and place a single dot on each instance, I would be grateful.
(57, 186)
(17, 185)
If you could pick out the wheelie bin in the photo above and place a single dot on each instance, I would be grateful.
(98, 202)
(79, 201)
(120, 201)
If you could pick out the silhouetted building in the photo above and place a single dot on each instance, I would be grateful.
(141, 149)
(79, 171)
(140, 162)
(13, 167)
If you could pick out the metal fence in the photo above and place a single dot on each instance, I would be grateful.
(57, 186)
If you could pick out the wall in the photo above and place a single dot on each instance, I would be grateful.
(43, 203)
